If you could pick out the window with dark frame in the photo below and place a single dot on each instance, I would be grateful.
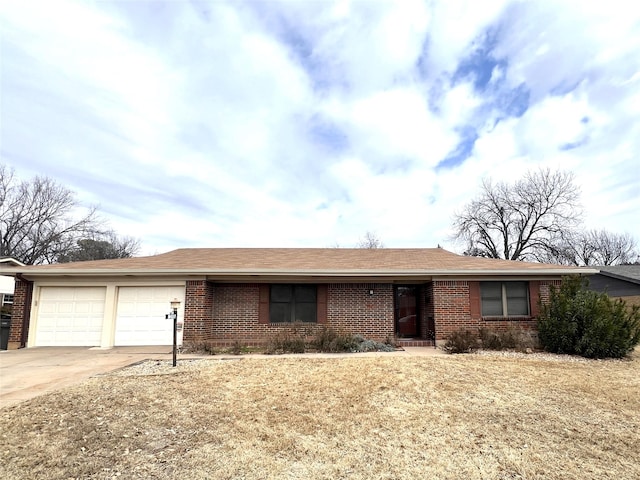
(293, 303)
(504, 299)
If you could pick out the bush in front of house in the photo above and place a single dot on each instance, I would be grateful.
(329, 340)
(201, 347)
(578, 321)
(366, 345)
(513, 338)
(462, 341)
(286, 341)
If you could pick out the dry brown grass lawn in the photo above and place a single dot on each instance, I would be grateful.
(468, 417)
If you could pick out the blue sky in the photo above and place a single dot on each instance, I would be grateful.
(264, 123)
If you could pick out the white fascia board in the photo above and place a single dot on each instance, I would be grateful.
(281, 273)
(13, 261)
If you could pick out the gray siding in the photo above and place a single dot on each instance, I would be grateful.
(613, 286)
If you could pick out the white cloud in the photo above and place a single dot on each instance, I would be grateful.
(558, 45)
(395, 123)
(459, 104)
(556, 122)
(364, 46)
(455, 24)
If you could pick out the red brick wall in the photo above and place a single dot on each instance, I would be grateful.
(350, 308)
(236, 317)
(235, 314)
(545, 289)
(226, 313)
(21, 307)
(452, 309)
(198, 310)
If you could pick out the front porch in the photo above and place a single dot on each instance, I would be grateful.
(415, 342)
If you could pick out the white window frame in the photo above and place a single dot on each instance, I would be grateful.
(4, 299)
(505, 309)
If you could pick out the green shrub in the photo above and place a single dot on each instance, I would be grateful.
(578, 321)
(461, 341)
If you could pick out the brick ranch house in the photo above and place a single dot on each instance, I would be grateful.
(247, 295)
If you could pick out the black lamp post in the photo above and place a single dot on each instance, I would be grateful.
(175, 304)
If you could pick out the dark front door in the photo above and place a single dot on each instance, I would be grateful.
(406, 310)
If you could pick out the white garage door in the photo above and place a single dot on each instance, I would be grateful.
(70, 316)
(141, 311)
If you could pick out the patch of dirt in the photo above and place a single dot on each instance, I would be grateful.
(467, 416)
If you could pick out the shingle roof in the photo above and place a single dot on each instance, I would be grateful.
(326, 261)
(630, 273)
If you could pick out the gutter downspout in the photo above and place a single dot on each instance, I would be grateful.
(26, 310)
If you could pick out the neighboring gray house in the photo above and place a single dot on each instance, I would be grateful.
(620, 281)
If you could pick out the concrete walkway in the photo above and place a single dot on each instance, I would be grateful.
(29, 372)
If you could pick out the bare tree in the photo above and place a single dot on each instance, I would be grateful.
(40, 220)
(522, 220)
(370, 240)
(593, 247)
(612, 249)
(107, 245)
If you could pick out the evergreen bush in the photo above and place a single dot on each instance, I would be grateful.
(578, 321)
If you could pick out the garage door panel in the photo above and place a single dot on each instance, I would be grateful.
(70, 316)
(65, 308)
(83, 308)
(141, 315)
(48, 308)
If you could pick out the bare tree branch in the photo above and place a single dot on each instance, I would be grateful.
(522, 220)
(40, 220)
(370, 240)
(594, 248)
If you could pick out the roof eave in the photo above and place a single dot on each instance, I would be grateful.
(11, 260)
(617, 276)
(299, 272)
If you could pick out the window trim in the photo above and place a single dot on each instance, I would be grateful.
(5, 301)
(505, 299)
(322, 298)
(292, 302)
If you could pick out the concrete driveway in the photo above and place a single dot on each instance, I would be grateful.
(29, 372)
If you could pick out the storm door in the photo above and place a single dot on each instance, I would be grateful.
(407, 310)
